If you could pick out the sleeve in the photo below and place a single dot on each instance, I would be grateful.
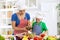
(33, 24)
(44, 27)
(13, 18)
(28, 16)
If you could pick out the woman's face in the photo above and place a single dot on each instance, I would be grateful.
(21, 11)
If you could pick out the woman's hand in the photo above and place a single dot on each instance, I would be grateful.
(16, 28)
(24, 28)
(29, 28)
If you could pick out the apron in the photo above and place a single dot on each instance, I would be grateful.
(37, 29)
(23, 23)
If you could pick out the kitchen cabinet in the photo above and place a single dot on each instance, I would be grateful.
(6, 11)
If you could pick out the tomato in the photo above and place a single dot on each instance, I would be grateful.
(42, 35)
(36, 38)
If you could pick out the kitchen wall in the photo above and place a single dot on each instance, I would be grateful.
(49, 8)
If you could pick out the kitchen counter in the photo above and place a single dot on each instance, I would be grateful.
(9, 37)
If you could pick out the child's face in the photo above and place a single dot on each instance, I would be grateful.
(37, 20)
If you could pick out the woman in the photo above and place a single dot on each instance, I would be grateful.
(20, 20)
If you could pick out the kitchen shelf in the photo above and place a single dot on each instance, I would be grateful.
(6, 26)
(6, 30)
(5, 13)
(6, 10)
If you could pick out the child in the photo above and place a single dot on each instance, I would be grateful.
(38, 26)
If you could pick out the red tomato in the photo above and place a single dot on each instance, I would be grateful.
(36, 38)
(42, 35)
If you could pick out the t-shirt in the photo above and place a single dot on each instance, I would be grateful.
(15, 18)
(43, 25)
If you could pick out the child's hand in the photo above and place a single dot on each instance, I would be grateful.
(42, 35)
